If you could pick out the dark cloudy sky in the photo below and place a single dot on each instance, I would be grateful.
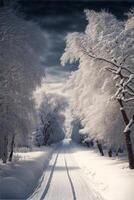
(57, 18)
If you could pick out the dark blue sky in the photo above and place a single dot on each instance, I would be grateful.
(57, 18)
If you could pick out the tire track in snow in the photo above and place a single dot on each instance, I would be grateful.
(50, 178)
(70, 180)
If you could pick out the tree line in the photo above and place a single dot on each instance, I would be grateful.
(21, 46)
(102, 89)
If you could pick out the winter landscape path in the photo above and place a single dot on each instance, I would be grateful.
(63, 179)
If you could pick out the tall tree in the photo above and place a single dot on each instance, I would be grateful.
(21, 45)
(105, 48)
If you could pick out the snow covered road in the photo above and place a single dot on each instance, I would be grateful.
(63, 179)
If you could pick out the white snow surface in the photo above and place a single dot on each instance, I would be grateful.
(111, 177)
(66, 171)
(19, 178)
(77, 173)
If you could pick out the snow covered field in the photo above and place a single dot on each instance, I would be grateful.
(66, 171)
(75, 172)
(111, 177)
(19, 178)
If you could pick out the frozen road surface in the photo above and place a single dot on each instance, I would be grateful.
(63, 179)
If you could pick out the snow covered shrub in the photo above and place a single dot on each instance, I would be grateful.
(102, 89)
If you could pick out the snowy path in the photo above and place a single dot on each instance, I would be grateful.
(63, 179)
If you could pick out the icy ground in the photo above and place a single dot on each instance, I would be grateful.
(67, 172)
(77, 173)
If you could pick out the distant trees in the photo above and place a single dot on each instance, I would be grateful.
(102, 88)
(51, 119)
(76, 126)
(21, 46)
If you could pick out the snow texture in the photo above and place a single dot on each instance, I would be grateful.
(19, 178)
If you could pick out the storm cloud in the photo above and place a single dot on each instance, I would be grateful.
(57, 18)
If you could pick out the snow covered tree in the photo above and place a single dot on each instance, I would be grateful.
(51, 119)
(76, 126)
(21, 46)
(103, 85)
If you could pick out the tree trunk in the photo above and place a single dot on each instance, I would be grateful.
(123, 112)
(110, 152)
(117, 151)
(5, 151)
(100, 148)
(129, 149)
(46, 135)
(46, 139)
(92, 143)
(12, 148)
(127, 137)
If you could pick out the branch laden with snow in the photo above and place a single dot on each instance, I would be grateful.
(105, 73)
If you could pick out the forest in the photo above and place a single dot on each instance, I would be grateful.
(93, 105)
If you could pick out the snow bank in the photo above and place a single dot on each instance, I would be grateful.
(18, 179)
(110, 177)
